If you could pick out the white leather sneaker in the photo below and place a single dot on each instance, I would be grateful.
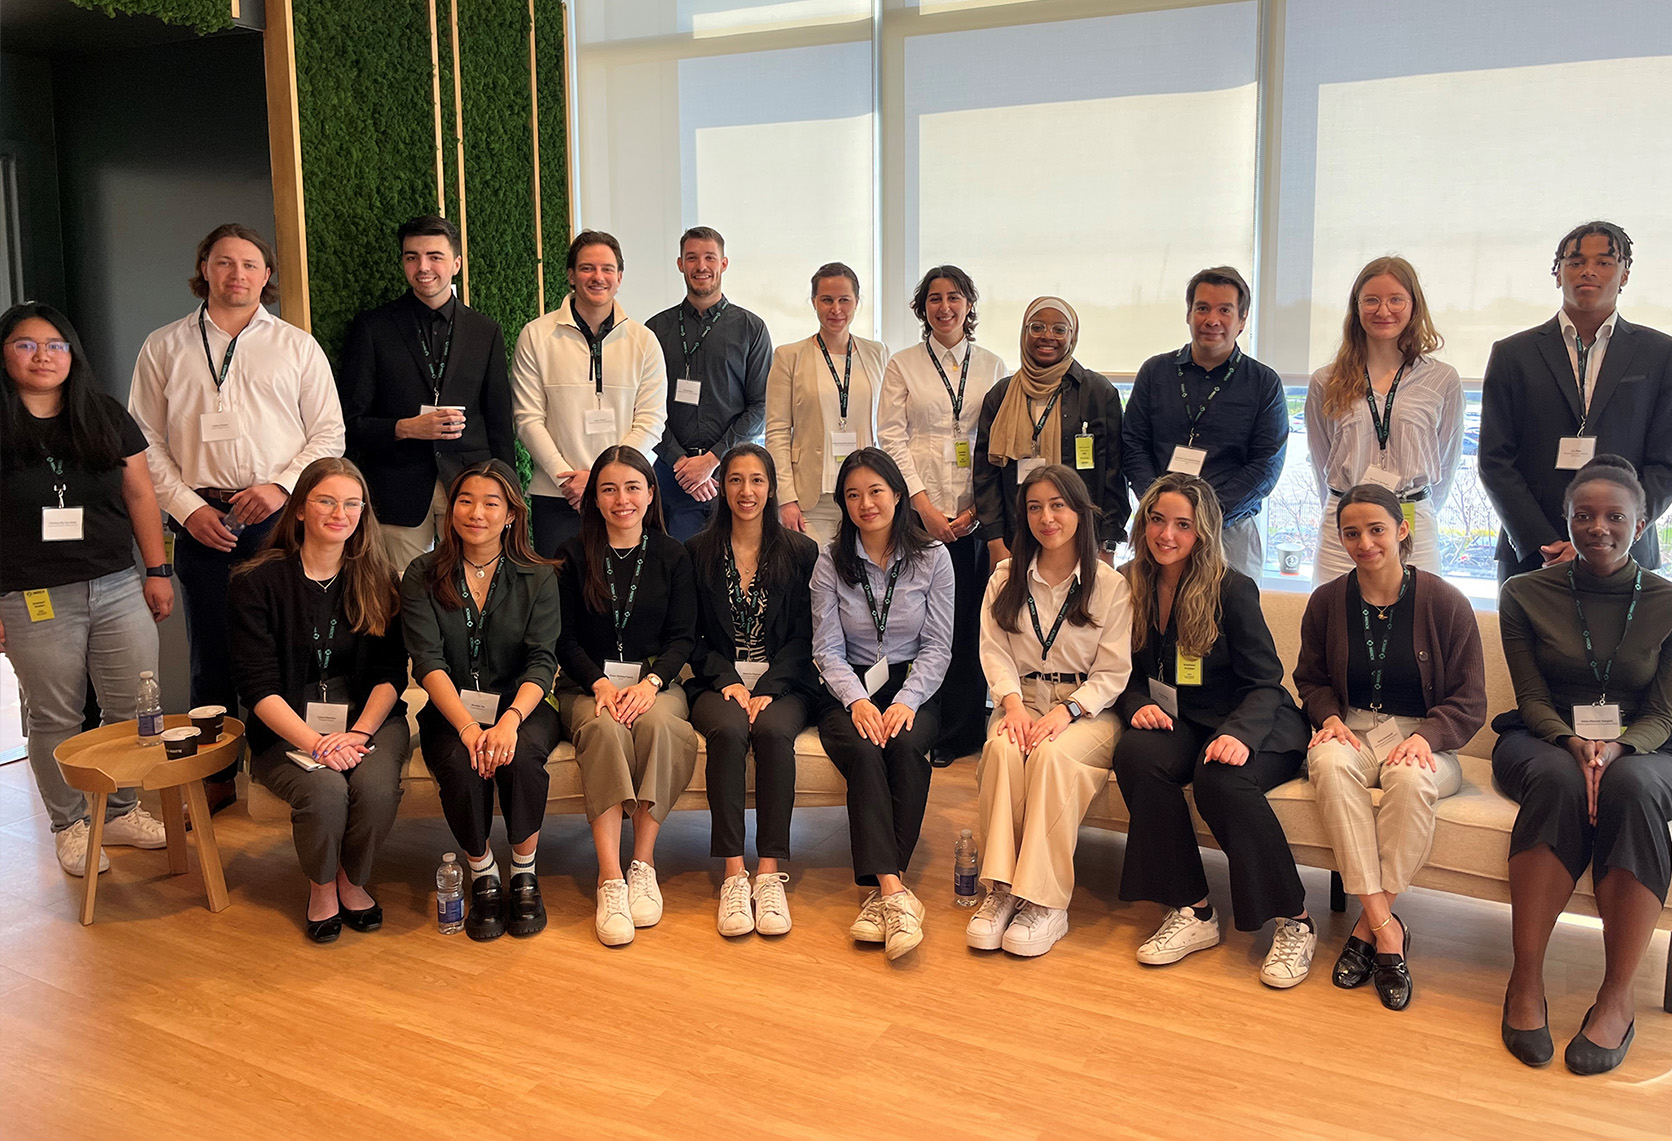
(986, 927)
(135, 828)
(614, 920)
(736, 916)
(71, 844)
(644, 897)
(1290, 957)
(902, 924)
(1179, 934)
(1035, 929)
(868, 927)
(772, 906)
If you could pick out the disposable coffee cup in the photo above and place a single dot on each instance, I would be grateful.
(1288, 557)
(208, 719)
(181, 742)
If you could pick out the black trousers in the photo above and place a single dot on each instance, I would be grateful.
(1634, 806)
(963, 695)
(1163, 859)
(467, 797)
(555, 522)
(725, 727)
(888, 787)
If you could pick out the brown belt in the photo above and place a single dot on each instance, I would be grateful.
(219, 494)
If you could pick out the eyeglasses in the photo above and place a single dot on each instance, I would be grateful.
(1396, 304)
(1039, 329)
(328, 505)
(27, 348)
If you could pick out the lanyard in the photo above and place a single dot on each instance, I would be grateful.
(323, 654)
(476, 621)
(226, 361)
(1585, 629)
(1184, 394)
(1581, 366)
(1379, 660)
(1046, 641)
(879, 619)
(622, 617)
(1384, 426)
(847, 374)
(745, 605)
(595, 348)
(57, 467)
(963, 374)
(707, 328)
(436, 365)
(1039, 424)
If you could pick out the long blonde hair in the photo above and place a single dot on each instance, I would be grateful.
(1196, 604)
(1345, 385)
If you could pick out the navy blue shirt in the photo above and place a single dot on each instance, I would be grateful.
(732, 363)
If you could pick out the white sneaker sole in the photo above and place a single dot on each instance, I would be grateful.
(866, 933)
(1282, 983)
(649, 920)
(1166, 958)
(1034, 948)
(744, 926)
(613, 940)
(762, 929)
(904, 945)
(984, 941)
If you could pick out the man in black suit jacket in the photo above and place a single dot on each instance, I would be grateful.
(1585, 382)
(424, 391)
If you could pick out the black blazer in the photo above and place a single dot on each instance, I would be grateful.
(1530, 400)
(1242, 690)
(383, 378)
(661, 631)
(789, 629)
(1088, 398)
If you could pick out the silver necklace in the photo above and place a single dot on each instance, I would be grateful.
(481, 571)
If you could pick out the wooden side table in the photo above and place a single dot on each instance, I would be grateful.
(110, 757)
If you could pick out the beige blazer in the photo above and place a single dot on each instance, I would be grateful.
(796, 434)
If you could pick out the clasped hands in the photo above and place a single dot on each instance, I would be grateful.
(1594, 757)
(626, 703)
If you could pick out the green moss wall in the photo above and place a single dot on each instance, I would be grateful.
(202, 15)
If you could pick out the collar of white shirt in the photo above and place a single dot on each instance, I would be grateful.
(953, 356)
(1033, 573)
(261, 315)
(1571, 333)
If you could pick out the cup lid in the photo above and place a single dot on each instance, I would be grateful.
(180, 733)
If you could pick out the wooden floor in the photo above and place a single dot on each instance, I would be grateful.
(163, 1020)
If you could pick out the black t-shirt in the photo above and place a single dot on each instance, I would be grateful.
(107, 535)
(1401, 679)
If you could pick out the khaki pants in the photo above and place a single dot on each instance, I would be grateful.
(1030, 810)
(403, 544)
(651, 762)
(824, 519)
(1378, 850)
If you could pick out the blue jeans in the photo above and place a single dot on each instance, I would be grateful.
(100, 629)
(682, 515)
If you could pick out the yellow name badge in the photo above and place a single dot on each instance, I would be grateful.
(168, 545)
(39, 603)
(961, 453)
(1188, 670)
(1410, 510)
(1084, 458)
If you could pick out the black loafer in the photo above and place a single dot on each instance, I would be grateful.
(487, 910)
(1530, 1047)
(941, 758)
(528, 912)
(325, 930)
(366, 919)
(1355, 964)
(1584, 1056)
(1393, 974)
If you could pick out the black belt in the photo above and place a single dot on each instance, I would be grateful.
(1056, 679)
(1408, 497)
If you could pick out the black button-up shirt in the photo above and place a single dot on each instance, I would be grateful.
(732, 365)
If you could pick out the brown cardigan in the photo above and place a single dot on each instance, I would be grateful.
(1448, 656)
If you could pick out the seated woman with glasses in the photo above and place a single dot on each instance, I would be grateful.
(314, 624)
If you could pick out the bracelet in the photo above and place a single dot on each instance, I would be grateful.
(518, 712)
(362, 733)
(1381, 925)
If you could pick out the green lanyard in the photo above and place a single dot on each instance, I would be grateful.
(963, 374)
(707, 328)
(476, 622)
(1603, 674)
(879, 619)
(1379, 660)
(57, 467)
(623, 616)
(745, 605)
(1039, 424)
(435, 364)
(1384, 426)
(226, 361)
(1046, 641)
(1184, 393)
(323, 654)
(845, 381)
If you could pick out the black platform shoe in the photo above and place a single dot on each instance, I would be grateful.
(487, 910)
(528, 912)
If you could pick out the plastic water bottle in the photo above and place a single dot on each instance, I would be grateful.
(231, 523)
(449, 895)
(150, 709)
(964, 870)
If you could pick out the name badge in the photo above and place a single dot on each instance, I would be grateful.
(60, 524)
(1165, 696)
(482, 707)
(216, 426)
(1574, 452)
(622, 674)
(876, 677)
(1596, 722)
(1384, 737)
(168, 545)
(1188, 461)
(1085, 458)
(841, 443)
(39, 603)
(1381, 477)
(750, 672)
(426, 409)
(327, 717)
(599, 422)
(307, 763)
(1409, 510)
(1188, 669)
(687, 391)
(1024, 468)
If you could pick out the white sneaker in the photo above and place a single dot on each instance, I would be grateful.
(644, 897)
(1179, 934)
(1035, 929)
(986, 928)
(868, 927)
(72, 850)
(135, 828)
(736, 917)
(772, 907)
(902, 923)
(614, 920)
(1290, 957)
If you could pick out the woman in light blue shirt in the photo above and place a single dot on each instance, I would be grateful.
(882, 639)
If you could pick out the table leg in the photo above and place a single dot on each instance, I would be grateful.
(208, 855)
(174, 823)
(95, 846)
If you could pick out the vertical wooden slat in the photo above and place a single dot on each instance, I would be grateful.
(284, 139)
(435, 99)
(534, 127)
(458, 135)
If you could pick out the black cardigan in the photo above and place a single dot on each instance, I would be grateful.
(661, 631)
(270, 615)
(1242, 690)
(788, 635)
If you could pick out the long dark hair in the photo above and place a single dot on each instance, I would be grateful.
(906, 536)
(776, 566)
(95, 437)
(595, 535)
(449, 551)
(1013, 595)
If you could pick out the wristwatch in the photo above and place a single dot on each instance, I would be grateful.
(1075, 709)
(164, 571)
(655, 680)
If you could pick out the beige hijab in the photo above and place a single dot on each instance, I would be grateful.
(1011, 437)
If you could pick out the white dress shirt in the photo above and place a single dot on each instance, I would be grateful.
(1101, 651)
(915, 424)
(279, 391)
(1425, 441)
(552, 389)
(1593, 363)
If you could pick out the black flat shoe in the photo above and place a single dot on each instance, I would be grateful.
(325, 930)
(1584, 1056)
(528, 912)
(366, 919)
(1355, 964)
(487, 910)
(941, 758)
(1530, 1047)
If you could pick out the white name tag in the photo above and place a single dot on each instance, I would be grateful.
(301, 758)
(327, 717)
(1596, 722)
(426, 409)
(1188, 461)
(1165, 696)
(214, 426)
(1024, 468)
(1384, 737)
(842, 443)
(876, 677)
(600, 422)
(622, 674)
(750, 672)
(60, 524)
(1381, 477)
(687, 391)
(482, 707)
(1574, 452)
